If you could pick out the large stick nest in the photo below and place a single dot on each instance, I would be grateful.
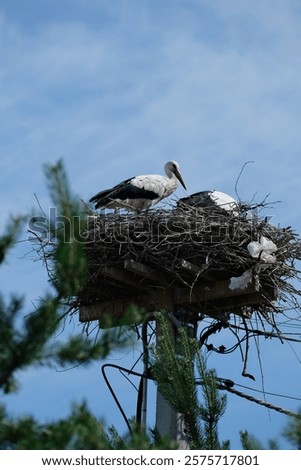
(188, 245)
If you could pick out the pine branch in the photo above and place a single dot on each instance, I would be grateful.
(23, 343)
(10, 235)
(174, 370)
(59, 190)
(67, 230)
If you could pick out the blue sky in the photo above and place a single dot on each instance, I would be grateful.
(117, 88)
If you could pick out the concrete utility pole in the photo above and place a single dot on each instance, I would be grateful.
(170, 422)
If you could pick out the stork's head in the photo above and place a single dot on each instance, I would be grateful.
(173, 168)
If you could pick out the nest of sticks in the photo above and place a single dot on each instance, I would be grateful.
(189, 247)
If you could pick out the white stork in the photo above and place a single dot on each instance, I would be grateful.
(140, 192)
(212, 198)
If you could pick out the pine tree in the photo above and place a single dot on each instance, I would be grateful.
(25, 336)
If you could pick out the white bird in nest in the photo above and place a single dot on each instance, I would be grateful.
(140, 192)
(212, 198)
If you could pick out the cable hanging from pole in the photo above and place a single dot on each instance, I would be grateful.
(113, 366)
(141, 407)
(228, 384)
(259, 402)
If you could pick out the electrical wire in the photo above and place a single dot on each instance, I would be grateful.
(228, 384)
(260, 402)
(141, 406)
(114, 366)
(265, 392)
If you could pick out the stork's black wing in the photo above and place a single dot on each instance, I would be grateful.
(201, 198)
(122, 192)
